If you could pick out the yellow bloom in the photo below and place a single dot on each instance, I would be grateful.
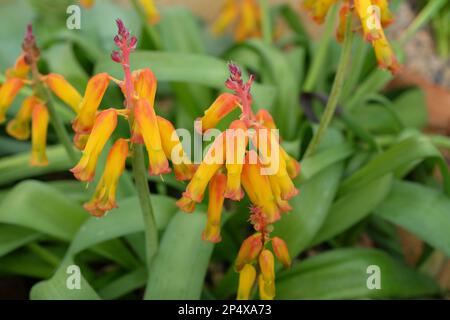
(104, 198)
(318, 8)
(385, 56)
(258, 189)
(249, 251)
(237, 140)
(19, 127)
(145, 84)
(182, 166)
(105, 124)
(222, 106)
(244, 14)
(147, 123)
(150, 10)
(386, 15)
(8, 92)
(93, 96)
(39, 135)
(265, 119)
(283, 205)
(215, 205)
(247, 278)
(20, 69)
(63, 90)
(212, 162)
(87, 3)
(266, 281)
(281, 251)
(370, 22)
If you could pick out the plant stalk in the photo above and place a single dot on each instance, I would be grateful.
(336, 89)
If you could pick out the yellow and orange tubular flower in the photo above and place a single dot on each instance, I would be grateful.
(145, 84)
(150, 10)
(244, 15)
(20, 69)
(265, 119)
(281, 251)
(249, 251)
(93, 96)
(173, 149)
(19, 127)
(223, 105)
(105, 124)
(215, 205)
(266, 281)
(370, 21)
(385, 56)
(237, 139)
(147, 123)
(63, 90)
(247, 278)
(340, 31)
(104, 198)
(8, 92)
(212, 162)
(386, 15)
(318, 8)
(39, 127)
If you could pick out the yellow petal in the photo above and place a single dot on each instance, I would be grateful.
(40, 118)
(223, 105)
(281, 251)
(247, 278)
(150, 10)
(8, 92)
(63, 90)
(19, 127)
(249, 251)
(215, 205)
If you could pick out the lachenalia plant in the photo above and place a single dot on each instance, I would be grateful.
(246, 158)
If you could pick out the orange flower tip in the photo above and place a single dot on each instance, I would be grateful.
(284, 206)
(210, 237)
(281, 251)
(235, 195)
(249, 251)
(292, 193)
(157, 171)
(81, 174)
(186, 204)
(94, 210)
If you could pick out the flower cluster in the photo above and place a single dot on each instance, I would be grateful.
(34, 107)
(94, 128)
(245, 157)
(150, 10)
(243, 15)
(374, 15)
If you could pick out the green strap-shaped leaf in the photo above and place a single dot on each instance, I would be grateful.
(343, 274)
(421, 210)
(179, 268)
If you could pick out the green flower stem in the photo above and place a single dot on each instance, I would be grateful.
(336, 90)
(140, 180)
(44, 254)
(319, 58)
(428, 12)
(55, 120)
(152, 34)
(266, 24)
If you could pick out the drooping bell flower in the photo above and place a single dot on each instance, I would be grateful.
(173, 149)
(104, 125)
(282, 204)
(222, 106)
(145, 84)
(19, 127)
(20, 69)
(150, 10)
(63, 90)
(370, 22)
(385, 56)
(318, 8)
(213, 161)
(215, 205)
(93, 96)
(281, 251)
(243, 15)
(237, 139)
(147, 123)
(8, 92)
(247, 278)
(265, 119)
(104, 198)
(249, 251)
(266, 281)
(39, 126)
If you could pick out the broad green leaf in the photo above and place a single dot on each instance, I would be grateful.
(421, 210)
(342, 274)
(179, 269)
(13, 237)
(353, 207)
